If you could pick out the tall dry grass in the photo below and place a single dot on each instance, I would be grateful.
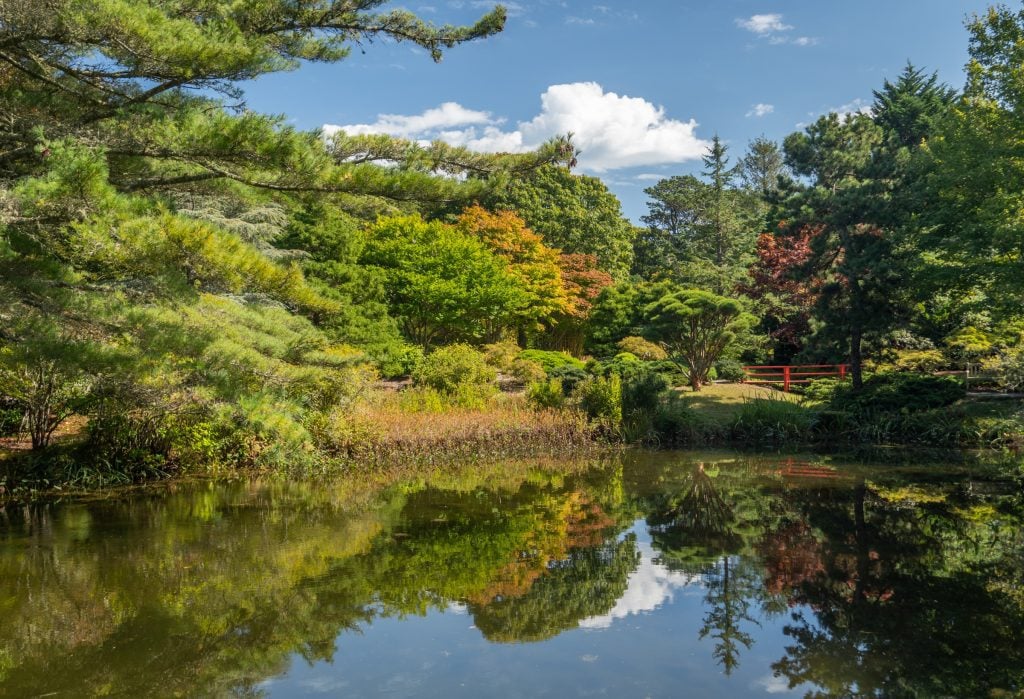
(420, 426)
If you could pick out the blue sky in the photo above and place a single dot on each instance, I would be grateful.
(643, 84)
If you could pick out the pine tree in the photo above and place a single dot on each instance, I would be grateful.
(762, 166)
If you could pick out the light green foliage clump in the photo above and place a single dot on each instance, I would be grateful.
(502, 355)
(551, 361)
(919, 361)
(527, 372)
(546, 394)
(642, 349)
(1008, 368)
(600, 399)
(456, 370)
(969, 344)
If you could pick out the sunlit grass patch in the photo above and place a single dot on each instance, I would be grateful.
(722, 400)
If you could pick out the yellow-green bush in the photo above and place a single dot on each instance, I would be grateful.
(642, 348)
(501, 355)
(456, 369)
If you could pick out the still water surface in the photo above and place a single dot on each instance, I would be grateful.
(650, 575)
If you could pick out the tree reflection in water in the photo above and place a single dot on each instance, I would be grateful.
(890, 586)
(916, 596)
(695, 533)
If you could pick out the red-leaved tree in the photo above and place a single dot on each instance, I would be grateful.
(784, 287)
(583, 283)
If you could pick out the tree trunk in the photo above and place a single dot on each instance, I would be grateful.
(521, 338)
(863, 545)
(856, 364)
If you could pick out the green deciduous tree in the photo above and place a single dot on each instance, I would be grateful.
(975, 178)
(574, 213)
(535, 265)
(443, 284)
(674, 212)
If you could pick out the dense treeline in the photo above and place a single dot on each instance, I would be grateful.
(185, 281)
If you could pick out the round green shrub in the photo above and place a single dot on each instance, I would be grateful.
(923, 360)
(673, 373)
(601, 399)
(643, 392)
(820, 390)
(730, 370)
(569, 376)
(454, 369)
(527, 372)
(396, 361)
(546, 395)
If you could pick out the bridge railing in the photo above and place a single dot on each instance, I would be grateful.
(788, 376)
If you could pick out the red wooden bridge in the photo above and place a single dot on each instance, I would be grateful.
(787, 376)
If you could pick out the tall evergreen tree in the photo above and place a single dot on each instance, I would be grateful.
(910, 108)
(701, 232)
(675, 210)
(850, 250)
(862, 206)
(762, 166)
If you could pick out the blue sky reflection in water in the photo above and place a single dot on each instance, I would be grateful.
(668, 574)
(647, 645)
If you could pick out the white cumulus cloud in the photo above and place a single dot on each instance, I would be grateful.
(770, 27)
(648, 587)
(612, 131)
(772, 684)
(448, 115)
(760, 109)
(857, 106)
(764, 24)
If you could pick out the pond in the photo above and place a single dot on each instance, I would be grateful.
(642, 575)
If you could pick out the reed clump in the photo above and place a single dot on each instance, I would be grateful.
(420, 425)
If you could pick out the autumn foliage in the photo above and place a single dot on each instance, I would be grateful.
(781, 282)
(533, 263)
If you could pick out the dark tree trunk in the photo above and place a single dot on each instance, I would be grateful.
(856, 360)
(863, 546)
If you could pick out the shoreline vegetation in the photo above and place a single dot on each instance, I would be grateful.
(397, 431)
(190, 287)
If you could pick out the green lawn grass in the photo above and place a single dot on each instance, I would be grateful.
(721, 400)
